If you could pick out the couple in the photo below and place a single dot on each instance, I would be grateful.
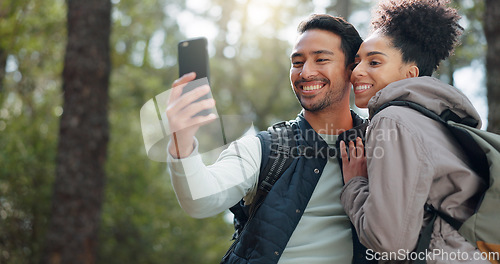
(307, 215)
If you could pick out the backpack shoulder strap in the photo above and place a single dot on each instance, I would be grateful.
(411, 105)
(475, 154)
(277, 143)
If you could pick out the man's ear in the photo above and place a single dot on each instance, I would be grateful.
(412, 72)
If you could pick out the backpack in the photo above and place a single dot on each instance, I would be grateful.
(483, 151)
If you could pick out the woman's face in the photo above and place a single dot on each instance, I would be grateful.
(378, 64)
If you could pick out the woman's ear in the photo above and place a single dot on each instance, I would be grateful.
(412, 72)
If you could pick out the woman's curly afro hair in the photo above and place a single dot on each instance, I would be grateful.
(425, 31)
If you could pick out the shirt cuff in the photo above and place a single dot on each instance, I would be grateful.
(187, 165)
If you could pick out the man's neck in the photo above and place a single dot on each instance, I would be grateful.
(330, 122)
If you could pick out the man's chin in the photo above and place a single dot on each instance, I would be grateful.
(313, 108)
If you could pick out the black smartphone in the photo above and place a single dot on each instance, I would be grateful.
(193, 57)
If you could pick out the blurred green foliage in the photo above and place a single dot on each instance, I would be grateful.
(141, 219)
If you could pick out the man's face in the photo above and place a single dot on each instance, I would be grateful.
(318, 73)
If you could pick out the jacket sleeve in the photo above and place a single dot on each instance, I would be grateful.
(387, 208)
(204, 191)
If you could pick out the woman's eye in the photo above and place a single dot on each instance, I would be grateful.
(374, 63)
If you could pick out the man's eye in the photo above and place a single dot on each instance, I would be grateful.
(321, 60)
(297, 63)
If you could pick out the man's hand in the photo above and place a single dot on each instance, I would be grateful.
(181, 111)
(355, 165)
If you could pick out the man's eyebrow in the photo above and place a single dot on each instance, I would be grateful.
(316, 52)
(296, 54)
(323, 52)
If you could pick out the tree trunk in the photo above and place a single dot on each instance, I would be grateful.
(3, 64)
(492, 33)
(83, 136)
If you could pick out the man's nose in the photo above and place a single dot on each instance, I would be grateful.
(309, 70)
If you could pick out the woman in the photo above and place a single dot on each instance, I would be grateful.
(411, 160)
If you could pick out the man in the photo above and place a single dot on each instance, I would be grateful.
(301, 220)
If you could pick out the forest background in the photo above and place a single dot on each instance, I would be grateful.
(59, 205)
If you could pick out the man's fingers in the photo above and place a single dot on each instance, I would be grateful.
(196, 107)
(179, 85)
(180, 119)
(184, 79)
(184, 100)
(195, 121)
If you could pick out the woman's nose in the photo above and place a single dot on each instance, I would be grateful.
(358, 70)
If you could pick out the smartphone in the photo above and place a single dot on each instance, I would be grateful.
(193, 57)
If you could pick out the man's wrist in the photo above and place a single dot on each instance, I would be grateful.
(180, 148)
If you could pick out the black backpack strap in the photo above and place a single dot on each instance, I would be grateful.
(277, 146)
(276, 143)
(446, 115)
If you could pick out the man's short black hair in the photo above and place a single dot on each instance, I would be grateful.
(350, 39)
(425, 31)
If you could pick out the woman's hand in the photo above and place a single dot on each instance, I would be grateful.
(354, 163)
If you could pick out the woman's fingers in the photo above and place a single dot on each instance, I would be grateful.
(354, 162)
(360, 148)
(343, 154)
(352, 150)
